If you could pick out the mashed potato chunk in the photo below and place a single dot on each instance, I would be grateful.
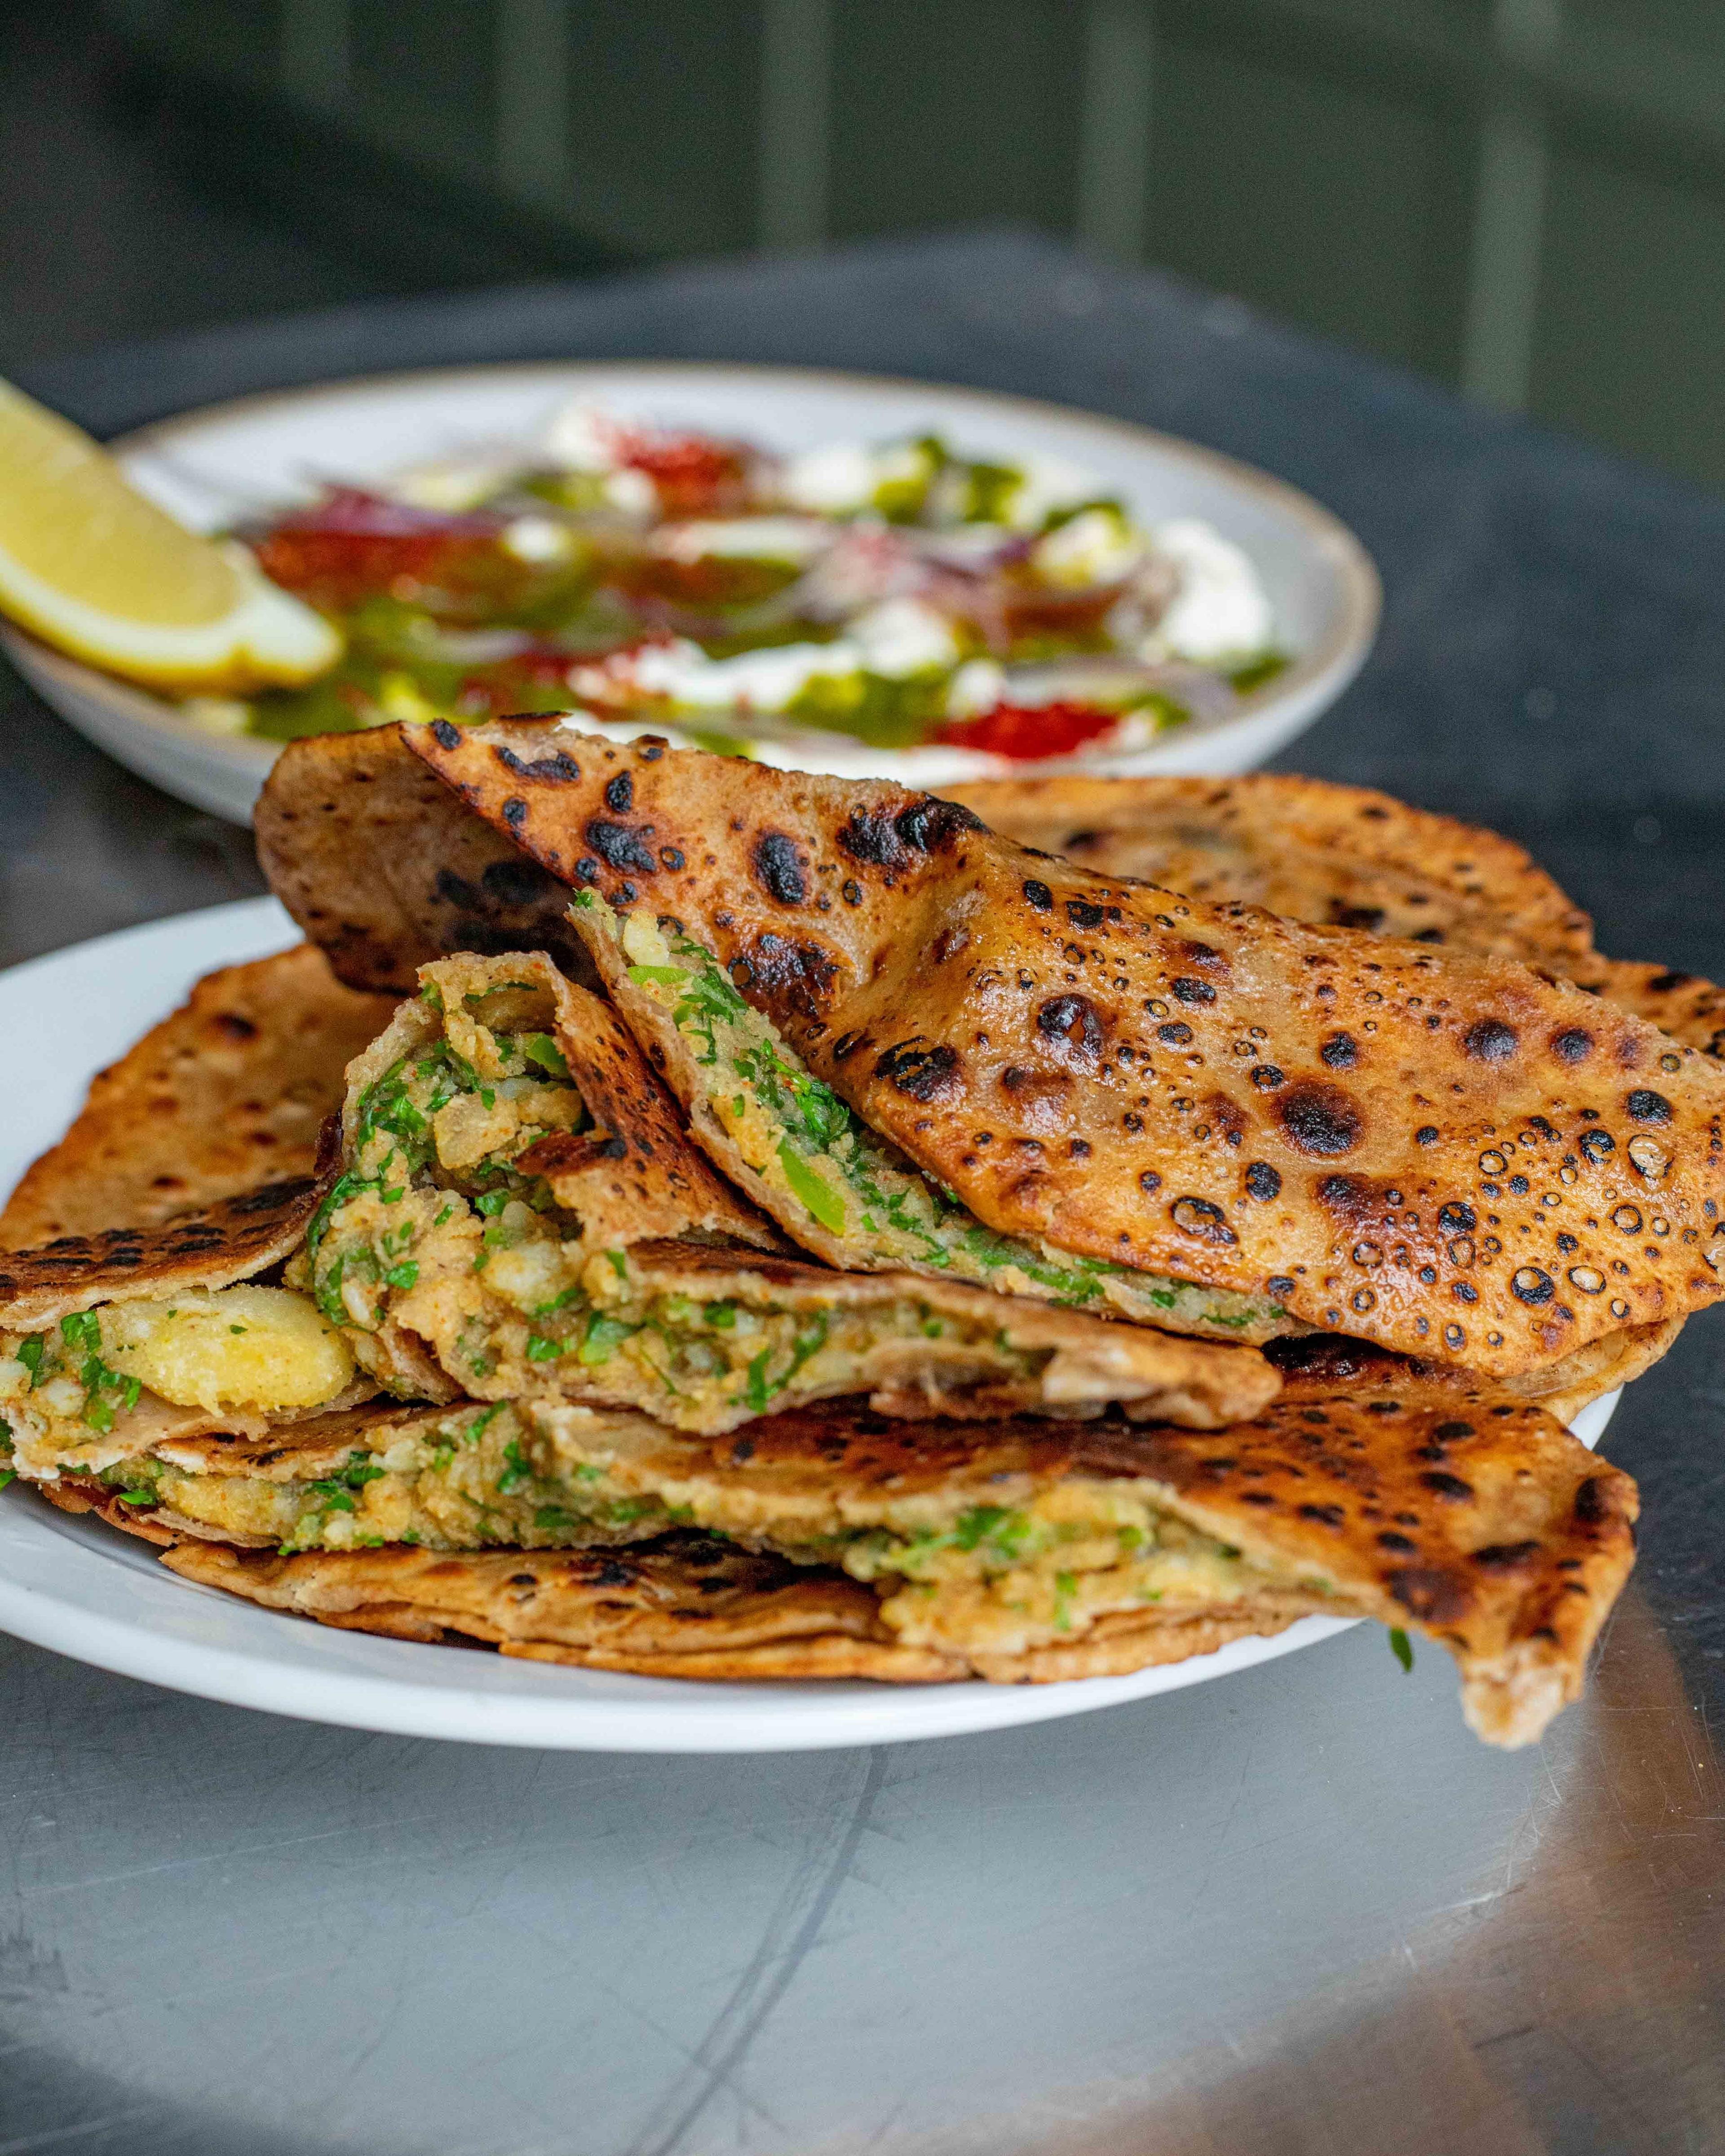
(229, 1347)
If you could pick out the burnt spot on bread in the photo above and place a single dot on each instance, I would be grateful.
(925, 1070)
(1491, 1040)
(798, 975)
(622, 847)
(519, 882)
(782, 867)
(1320, 1121)
(560, 769)
(1424, 1592)
(870, 835)
(1072, 1027)
(930, 826)
(1647, 1107)
(1199, 1217)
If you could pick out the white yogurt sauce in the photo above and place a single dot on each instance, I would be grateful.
(792, 540)
(1220, 611)
(901, 637)
(1045, 484)
(1096, 546)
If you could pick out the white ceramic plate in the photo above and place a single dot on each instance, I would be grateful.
(79, 1588)
(212, 467)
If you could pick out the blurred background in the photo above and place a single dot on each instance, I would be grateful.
(1523, 199)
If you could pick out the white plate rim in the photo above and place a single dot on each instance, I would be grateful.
(64, 1582)
(1311, 682)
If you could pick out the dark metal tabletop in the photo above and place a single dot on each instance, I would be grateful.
(1301, 1911)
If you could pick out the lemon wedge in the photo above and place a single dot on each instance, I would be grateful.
(91, 567)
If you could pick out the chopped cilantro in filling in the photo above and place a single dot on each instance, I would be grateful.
(819, 1163)
(1039, 1565)
(76, 1390)
(436, 1240)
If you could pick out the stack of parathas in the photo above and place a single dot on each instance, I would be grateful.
(792, 1228)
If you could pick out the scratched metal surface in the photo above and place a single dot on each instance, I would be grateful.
(1301, 1912)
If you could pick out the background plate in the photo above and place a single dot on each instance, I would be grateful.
(77, 1586)
(230, 461)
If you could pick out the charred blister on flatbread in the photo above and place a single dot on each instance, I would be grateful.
(231, 1241)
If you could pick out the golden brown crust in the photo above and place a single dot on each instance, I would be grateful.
(384, 871)
(1126, 1641)
(1371, 1487)
(1684, 1005)
(1442, 1151)
(1342, 856)
(708, 1608)
(1345, 856)
(1601, 1367)
(229, 1092)
(212, 1247)
(78, 1494)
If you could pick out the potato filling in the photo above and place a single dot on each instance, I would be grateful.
(1037, 1563)
(71, 1390)
(436, 1240)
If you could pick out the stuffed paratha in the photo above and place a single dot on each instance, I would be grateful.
(1001, 1548)
(1444, 1152)
(842, 1191)
(514, 1220)
(385, 870)
(1342, 856)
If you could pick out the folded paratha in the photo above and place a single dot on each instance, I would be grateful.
(1342, 856)
(385, 870)
(521, 1216)
(111, 1342)
(1447, 1153)
(1020, 1550)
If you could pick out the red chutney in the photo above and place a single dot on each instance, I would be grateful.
(696, 474)
(351, 545)
(1026, 733)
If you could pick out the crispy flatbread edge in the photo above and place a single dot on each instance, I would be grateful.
(79, 1495)
(213, 1248)
(1590, 1373)
(1508, 1700)
(225, 1093)
(819, 1625)
(331, 1587)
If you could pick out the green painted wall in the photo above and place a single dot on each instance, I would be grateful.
(1523, 197)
